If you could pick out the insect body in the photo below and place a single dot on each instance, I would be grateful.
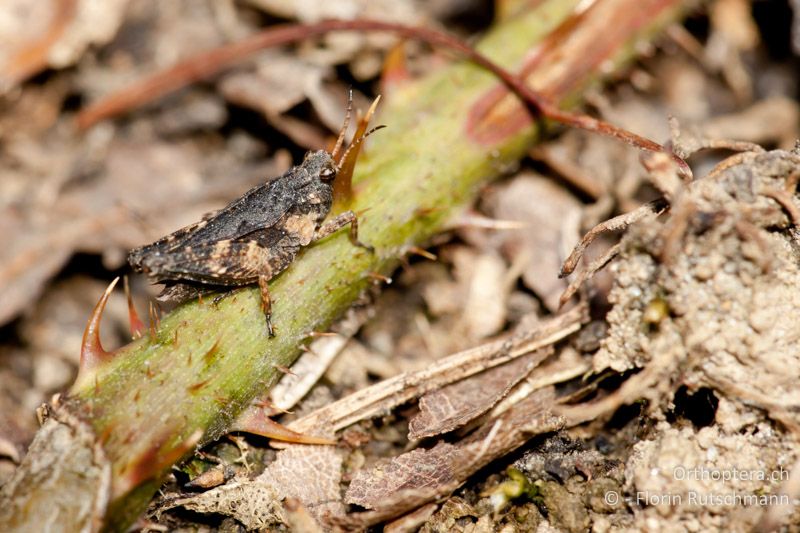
(255, 237)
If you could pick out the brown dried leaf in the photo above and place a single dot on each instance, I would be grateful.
(553, 218)
(384, 396)
(422, 471)
(309, 474)
(419, 476)
(52, 33)
(453, 406)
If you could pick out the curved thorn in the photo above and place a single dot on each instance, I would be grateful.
(92, 352)
(155, 320)
(136, 325)
(284, 370)
(377, 276)
(342, 185)
(253, 421)
(416, 250)
(354, 147)
(316, 334)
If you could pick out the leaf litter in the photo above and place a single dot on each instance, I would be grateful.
(458, 363)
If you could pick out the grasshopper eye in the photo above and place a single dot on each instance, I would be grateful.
(327, 174)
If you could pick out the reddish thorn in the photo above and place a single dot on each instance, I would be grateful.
(306, 349)
(152, 311)
(422, 253)
(212, 352)
(266, 403)
(220, 400)
(342, 185)
(427, 211)
(197, 386)
(136, 325)
(285, 370)
(92, 352)
(379, 277)
(254, 421)
(315, 334)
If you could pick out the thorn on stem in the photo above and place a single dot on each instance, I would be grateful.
(92, 352)
(136, 325)
(416, 250)
(315, 334)
(266, 403)
(376, 276)
(254, 421)
(155, 319)
(284, 369)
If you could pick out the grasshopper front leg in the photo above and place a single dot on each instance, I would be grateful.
(337, 223)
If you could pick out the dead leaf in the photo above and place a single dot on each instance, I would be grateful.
(419, 476)
(452, 406)
(52, 33)
(257, 503)
(384, 396)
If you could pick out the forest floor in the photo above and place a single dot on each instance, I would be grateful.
(669, 404)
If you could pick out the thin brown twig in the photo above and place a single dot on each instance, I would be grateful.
(613, 224)
(205, 65)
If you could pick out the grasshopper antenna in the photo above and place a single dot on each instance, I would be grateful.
(363, 122)
(343, 131)
(358, 142)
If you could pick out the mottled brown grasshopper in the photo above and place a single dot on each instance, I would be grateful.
(257, 236)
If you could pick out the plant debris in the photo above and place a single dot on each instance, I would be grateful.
(511, 377)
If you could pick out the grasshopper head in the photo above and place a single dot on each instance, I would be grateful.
(320, 163)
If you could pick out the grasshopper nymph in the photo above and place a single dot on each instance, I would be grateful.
(255, 237)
